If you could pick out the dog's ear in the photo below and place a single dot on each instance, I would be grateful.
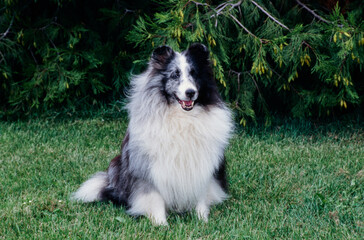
(199, 52)
(161, 56)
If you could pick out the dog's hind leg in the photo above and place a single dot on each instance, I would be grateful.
(151, 205)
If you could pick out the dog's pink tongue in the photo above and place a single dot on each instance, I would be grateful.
(188, 103)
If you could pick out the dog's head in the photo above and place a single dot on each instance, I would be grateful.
(186, 77)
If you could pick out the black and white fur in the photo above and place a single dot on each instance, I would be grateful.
(172, 156)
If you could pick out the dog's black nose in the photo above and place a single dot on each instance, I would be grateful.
(190, 93)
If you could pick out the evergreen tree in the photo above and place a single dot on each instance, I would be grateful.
(303, 58)
(269, 53)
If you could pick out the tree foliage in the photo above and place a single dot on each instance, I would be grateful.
(62, 53)
(292, 57)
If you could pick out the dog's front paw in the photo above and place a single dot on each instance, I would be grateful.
(158, 220)
(203, 212)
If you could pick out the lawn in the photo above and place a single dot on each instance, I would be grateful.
(293, 180)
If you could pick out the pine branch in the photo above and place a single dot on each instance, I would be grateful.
(53, 22)
(221, 7)
(253, 80)
(54, 45)
(243, 27)
(315, 14)
(270, 16)
(2, 57)
(42, 29)
(3, 35)
(238, 76)
(198, 3)
(35, 60)
(126, 12)
(224, 5)
(258, 89)
(218, 11)
(312, 12)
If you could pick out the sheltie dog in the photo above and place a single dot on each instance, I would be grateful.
(172, 156)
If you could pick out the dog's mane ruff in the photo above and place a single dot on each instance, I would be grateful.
(144, 94)
(181, 150)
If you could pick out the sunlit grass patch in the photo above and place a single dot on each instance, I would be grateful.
(293, 181)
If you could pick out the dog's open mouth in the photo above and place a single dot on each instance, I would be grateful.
(186, 105)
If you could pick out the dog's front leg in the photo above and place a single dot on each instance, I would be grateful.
(203, 210)
(215, 194)
(151, 205)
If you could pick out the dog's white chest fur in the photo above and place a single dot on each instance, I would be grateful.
(184, 148)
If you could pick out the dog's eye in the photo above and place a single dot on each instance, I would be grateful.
(193, 72)
(176, 74)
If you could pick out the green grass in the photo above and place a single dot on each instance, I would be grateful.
(291, 181)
